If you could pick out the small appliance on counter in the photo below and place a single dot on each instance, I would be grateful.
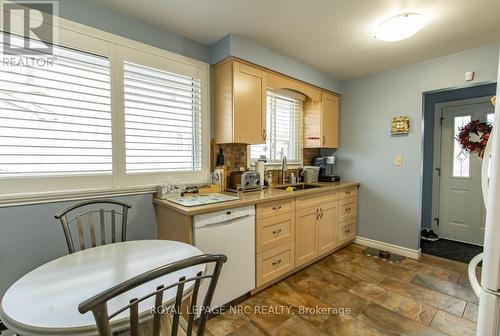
(244, 181)
(327, 171)
(310, 174)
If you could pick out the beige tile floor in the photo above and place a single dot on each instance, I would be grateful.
(348, 293)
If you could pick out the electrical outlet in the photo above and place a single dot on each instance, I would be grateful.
(398, 161)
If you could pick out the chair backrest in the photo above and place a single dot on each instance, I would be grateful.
(76, 215)
(99, 308)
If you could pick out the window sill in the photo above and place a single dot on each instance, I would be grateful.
(73, 195)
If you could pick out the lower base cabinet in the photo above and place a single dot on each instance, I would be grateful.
(306, 245)
(274, 263)
(327, 228)
(292, 234)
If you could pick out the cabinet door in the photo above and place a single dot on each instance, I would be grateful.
(327, 227)
(305, 236)
(330, 121)
(249, 109)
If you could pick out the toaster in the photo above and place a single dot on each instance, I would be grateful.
(244, 181)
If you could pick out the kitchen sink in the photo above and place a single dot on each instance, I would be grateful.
(299, 186)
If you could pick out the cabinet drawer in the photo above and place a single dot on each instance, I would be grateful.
(275, 208)
(348, 193)
(348, 208)
(274, 263)
(315, 199)
(347, 231)
(274, 231)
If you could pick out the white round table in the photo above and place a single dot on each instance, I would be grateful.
(45, 301)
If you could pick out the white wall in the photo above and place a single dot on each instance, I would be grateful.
(390, 196)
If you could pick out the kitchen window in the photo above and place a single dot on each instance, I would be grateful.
(284, 129)
(108, 116)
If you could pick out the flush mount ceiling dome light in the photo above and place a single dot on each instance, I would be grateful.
(400, 27)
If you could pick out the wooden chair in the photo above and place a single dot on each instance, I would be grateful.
(98, 304)
(89, 213)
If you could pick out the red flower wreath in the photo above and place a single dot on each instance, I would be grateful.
(474, 136)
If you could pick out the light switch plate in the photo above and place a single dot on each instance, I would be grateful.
(398, 161)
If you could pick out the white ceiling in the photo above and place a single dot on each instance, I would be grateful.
(334, 36)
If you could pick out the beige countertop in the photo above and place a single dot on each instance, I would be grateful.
(251, 198)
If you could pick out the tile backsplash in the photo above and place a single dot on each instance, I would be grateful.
(235, 155)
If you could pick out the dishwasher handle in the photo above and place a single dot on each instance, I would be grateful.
(225, 222)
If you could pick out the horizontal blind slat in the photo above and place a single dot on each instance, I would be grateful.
(162, 120)
(56, 120)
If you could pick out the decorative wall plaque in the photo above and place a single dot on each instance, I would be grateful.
(400, 125)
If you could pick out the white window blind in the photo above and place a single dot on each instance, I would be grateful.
(163, 128)
(284, 129)
(55, 120)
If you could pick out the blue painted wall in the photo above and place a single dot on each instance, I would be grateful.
(390, 198)
(93, 14)
(30, 235)
(233, 45)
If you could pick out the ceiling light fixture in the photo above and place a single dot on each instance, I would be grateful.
(400, 27)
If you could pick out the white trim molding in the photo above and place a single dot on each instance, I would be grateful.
(404, 251)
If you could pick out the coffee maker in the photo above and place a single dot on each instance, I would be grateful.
(327, 171)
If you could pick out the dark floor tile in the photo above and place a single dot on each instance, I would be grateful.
(351, 326)
(247, 329)
(265, 312)
(223, 324)
(446, 287)
(410, 308)
(425, 295)
(297, 326)
(390, 322)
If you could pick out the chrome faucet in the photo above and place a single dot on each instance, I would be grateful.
(284, 171)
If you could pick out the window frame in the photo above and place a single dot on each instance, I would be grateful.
(33, 190)
(296, 163)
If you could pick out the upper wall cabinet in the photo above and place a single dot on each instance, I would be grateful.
(321, 122)
(240, 103)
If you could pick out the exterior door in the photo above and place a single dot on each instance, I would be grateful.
(461, 208)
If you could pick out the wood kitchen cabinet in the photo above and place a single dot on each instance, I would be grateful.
(321, 122)
(240, 103)
(306, 246)
(316, 227)
(327, 228)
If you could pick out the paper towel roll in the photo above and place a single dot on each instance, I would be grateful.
(260, 169)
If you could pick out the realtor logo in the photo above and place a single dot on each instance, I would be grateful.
(28, 27)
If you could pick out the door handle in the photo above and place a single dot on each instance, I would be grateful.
(264, 135)
(324, 140)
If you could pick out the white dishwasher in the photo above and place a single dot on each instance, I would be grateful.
(230, 232)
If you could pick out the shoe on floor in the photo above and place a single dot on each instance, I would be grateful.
(432, 236)
(424, 234)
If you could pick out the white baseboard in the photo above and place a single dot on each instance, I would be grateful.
(404, 251)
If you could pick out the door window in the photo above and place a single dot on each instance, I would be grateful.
(461, 159)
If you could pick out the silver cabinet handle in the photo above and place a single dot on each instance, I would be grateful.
(276, 207)
(276, 263)
(324, 140)
(264, 135)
